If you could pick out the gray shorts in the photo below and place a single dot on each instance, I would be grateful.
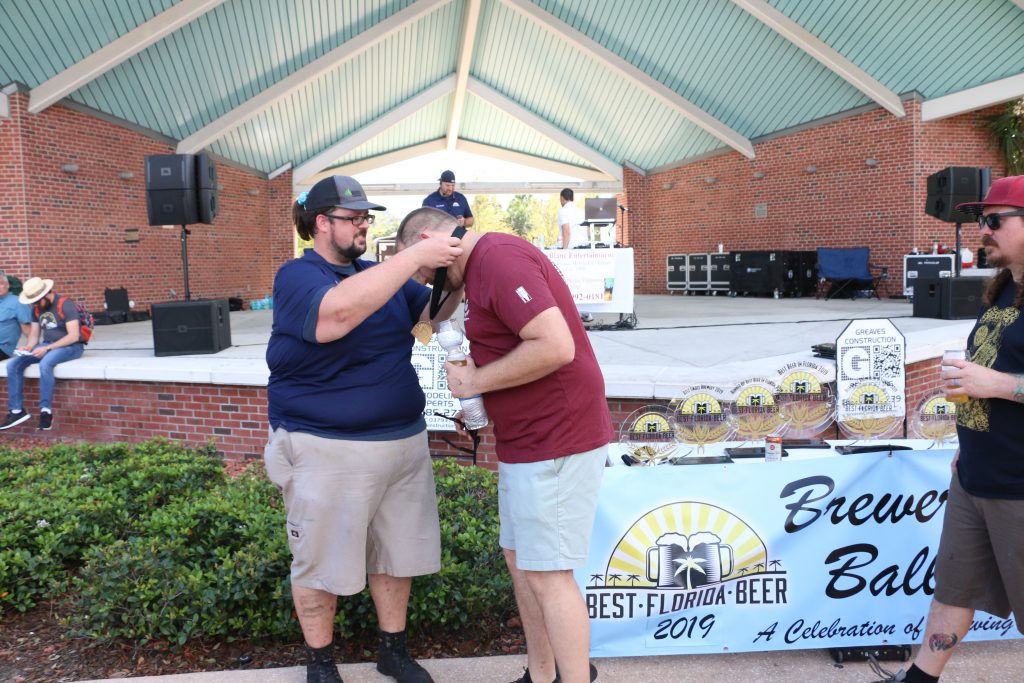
(547, 509)
(981, 555)
(355, 507)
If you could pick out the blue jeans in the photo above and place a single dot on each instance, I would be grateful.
(16, 374)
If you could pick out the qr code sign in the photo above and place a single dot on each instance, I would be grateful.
(855, 363)
(886, 361)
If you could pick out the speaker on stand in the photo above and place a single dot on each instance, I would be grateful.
(955, 185)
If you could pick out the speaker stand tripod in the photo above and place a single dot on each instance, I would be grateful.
(956, 257)
(184, 259)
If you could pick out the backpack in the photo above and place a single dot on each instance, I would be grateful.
(85, 320)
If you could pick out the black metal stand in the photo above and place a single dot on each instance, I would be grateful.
(957, 256)
(184, 259)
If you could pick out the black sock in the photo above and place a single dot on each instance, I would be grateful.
(915, 675)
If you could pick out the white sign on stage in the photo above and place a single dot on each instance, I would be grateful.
(871, 374)
(601, 280)
(429, 363)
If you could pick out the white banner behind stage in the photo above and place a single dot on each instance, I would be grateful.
(822, 552)
(601, 280)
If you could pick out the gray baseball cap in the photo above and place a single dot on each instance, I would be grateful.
(338, 190)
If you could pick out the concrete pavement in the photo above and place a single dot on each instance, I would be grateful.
(980, 662)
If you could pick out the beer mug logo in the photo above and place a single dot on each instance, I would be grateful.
(680, 561)
(673, 547)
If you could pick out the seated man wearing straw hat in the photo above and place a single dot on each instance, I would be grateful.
(60, 342)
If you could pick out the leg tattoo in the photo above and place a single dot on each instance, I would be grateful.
(942, 641)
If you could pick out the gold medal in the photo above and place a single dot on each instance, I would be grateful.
(423, 332)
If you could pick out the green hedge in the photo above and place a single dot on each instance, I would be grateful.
(153, 541)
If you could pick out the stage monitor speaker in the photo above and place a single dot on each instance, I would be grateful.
(955, 185)
(960, 297)
(206, 188)
(928, 297)
(191, 327)
(171, 189)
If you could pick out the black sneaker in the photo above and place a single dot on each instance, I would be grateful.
(46, 420)
(14, 419)
(394, 660)
(525, 678)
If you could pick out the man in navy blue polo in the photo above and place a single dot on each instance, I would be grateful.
(451, 202)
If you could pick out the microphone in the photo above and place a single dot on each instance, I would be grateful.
(623, 208)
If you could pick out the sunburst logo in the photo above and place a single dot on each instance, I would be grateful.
(689, 553)
(648, 434)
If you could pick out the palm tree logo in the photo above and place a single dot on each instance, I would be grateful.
(774, 564)
(632, 578)
(596, 577)
(688, 564)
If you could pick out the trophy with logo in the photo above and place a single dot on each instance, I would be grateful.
(934, 419)
(805, 401)
(647, 436)
(871, 409)
(700, 419)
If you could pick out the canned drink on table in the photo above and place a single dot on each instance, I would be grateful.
(773, 448)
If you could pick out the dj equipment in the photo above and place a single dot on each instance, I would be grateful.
(675, 272)
(948, 298)
(916, 267)
(956, 185)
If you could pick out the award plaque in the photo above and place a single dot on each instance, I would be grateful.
(871, 409)
(935, 419)
(805, 401)
(753, 413)
(648, 437)
(700, 419)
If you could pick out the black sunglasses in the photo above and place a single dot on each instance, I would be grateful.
(991, 221)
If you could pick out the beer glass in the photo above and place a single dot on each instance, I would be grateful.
(954, 354)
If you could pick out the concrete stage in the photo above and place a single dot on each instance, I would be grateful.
(678, 340)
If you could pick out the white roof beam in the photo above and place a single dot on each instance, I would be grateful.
(972, 99)
(375, 162)
(110, 55)
(532, 161)
(545, 128)
(469, 31)
(374, 128)
(638, 77)
(1019, 3)
(829, 58)
(345, 52)
(423, 189)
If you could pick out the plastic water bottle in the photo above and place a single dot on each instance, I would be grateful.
(473, 413)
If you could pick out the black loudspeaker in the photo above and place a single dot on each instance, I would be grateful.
(960, 297)
(948, 298)
(171, 189)
(927, 297)
(191, 327)
(955, 185)
(206, 188)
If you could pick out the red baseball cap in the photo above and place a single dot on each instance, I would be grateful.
(1008, 191)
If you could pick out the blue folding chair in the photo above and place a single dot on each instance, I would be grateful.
(844, 271)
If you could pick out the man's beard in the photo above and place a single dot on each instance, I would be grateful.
(349, 253)
(44, 304)
(997, 260)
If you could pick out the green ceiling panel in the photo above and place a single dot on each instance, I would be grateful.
(710, 52)
(41, 38)
(931, 46)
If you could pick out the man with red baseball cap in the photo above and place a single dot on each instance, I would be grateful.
(981, 554)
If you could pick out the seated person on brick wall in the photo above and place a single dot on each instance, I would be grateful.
(60, 342)
(14, 318)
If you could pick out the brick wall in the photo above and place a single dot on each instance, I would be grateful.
(72, 227)
(234, 418)
(843, 203)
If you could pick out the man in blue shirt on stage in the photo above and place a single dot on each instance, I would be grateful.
(349, 444)
(451, 202)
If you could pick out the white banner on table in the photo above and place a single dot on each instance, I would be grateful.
(871, 372)
(601, 280)
(825, 552)
(429, 363)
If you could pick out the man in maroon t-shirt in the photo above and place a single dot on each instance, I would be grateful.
(544, 392)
